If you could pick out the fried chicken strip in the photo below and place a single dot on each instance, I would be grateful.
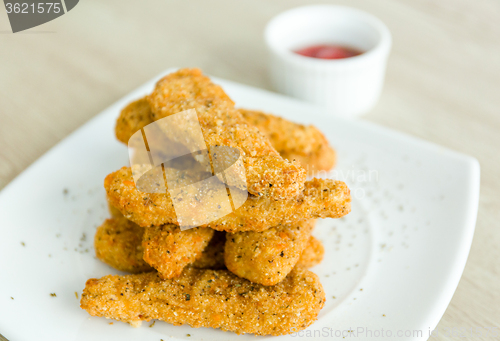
(124, 245)
(213, 255)
(118, 243)
(266, 257)
(134, 116)
(292, 140)
(267, 173)
(208, 298)
(321, 198)
(169, 250)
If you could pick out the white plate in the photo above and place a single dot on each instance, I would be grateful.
(392, 264)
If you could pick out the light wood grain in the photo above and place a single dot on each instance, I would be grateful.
(443, 85)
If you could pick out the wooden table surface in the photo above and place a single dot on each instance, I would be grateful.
(443, 85)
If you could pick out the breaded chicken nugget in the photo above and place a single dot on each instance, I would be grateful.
(267, 173)
(312, 254)
(294, 141)
(117, 242)
(121, 247)
(168, 249)
(208, 298)
(321, 198)
(120, 244)
(126, 251)
(266, 257)
(136, 116)
(213, 255)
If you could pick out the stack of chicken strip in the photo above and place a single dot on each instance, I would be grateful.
(245, 272)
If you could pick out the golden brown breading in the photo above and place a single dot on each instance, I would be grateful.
(213, 255)
(137, 115)
(133, 117)
(294, 141)
(208, 298)
(267, 173)
(117, 242)
(168, 249)
(266, 257)
(321, 198)
(312, 254)
(192, 202)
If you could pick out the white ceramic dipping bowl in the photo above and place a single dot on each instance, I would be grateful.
(347, 87)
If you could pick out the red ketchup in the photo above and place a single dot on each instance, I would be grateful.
(329, 52)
